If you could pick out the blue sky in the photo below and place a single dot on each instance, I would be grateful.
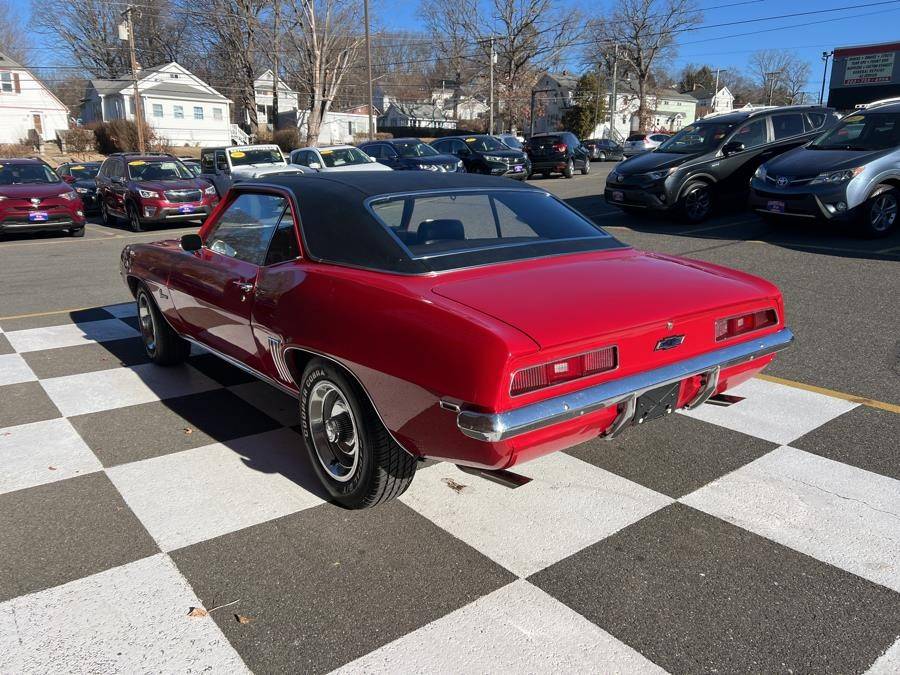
(722, 47)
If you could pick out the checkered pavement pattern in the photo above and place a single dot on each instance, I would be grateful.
(749, 538)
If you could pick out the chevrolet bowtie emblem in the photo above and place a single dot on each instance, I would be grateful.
(669, 342)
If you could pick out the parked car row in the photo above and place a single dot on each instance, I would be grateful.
(797, 161)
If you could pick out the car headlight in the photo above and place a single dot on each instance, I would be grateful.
(661, 174)
(760, 172)
(70, 196)
(459, 164)
(148, 194)
(211, 191)
(493, 158)
(429, 167)
(82, 191)
(834, 177)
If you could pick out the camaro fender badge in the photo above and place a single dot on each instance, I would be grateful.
(669, 343)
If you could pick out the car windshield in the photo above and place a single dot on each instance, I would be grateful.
(414, 149)
(19, 174)
(433, 226)
(696, 138)
(256, 156)
(512, 142)
(872, 131)
(84, 171)
(485, 143)
(334, 157)
(193, 167)
(170, 169)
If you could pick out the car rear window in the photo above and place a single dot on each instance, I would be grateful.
(455, 229)
(636, 137)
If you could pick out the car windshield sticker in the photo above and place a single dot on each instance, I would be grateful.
(326, 152)
(237, 154)
(471, 140)
(137, 162)
(76, 168)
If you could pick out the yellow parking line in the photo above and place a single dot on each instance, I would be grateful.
(863, 400)
(50, 313)
(716, 227)
(100, 230)
(836, 249)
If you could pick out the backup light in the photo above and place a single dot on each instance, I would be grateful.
(563, 370)
(745, 323)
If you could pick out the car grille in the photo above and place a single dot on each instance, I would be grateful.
(781, 196)
(773, 180)
(179, 196)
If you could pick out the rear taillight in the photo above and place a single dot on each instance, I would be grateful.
(560, 147)
(563, 370)
(745, 323)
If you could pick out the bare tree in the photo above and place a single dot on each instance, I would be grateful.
(321, 42)
(644, 31)
(12, 36)
(780, 74)
(451, 31)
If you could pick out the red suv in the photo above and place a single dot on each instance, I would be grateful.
(151, 188)
(33, 198)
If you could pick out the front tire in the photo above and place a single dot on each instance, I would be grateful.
(569, 171)
(163, 346)
(77, 231)
(352, 453)
(601, 157)
(108, 219)
(878, 215)
(586, 169)
(134, 219)
(696, 202)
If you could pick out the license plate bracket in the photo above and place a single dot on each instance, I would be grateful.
(618, 196)
(775, 206)
(38, 216)
(187, 208)
(656, 403)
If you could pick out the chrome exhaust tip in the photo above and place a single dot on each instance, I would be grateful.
(501, 476)
(724, 400)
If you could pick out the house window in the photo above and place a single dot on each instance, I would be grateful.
(173, 76)
(131, 105)
(178, 111)
(217, 113)
(157, 110)
(6, 82)
(198, 112)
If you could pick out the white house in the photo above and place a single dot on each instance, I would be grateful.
(416, 115)
(28, 110)
(181, 108)
(464, 108)
(713, 102)
(337, 127)
(264, 88)
(553, 94)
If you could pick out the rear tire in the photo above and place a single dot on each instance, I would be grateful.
(696, 202)
(878, 215)
(601, 157)
(134, 219)
(351, 452)
(569, 171)
(162, 345)
(77, 231)
(586, 169)
(108, 219)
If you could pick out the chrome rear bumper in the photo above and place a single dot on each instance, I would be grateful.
(494, 427)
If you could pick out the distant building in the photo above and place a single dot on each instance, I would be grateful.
(416, 115)
(553, 94)
(29, 111)
(263, 90)
(709, 101)
(179, 106)
(337, 127)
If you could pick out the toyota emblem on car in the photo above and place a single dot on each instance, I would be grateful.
(782, 181)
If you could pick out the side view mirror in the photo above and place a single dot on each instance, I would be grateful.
(315, 165)
(732, 148)
(191, 242)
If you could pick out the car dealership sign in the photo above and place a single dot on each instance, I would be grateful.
(864, 73)
(868, 68)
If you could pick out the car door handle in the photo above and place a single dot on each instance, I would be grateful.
(245, 288)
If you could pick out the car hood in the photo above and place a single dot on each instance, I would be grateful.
(259, 170)
(651, 161)
(174, 184)
(601, 294)
(88, 183)
(802, 162)
(512, 154)
(372, 166)
(28, 190)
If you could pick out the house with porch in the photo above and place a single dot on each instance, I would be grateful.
(416, 115)
(29, 111)
(264, 91)
(179, 106)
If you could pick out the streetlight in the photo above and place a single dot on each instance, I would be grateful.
(825, 57)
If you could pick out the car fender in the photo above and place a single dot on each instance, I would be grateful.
(702, 176)
(861, 188)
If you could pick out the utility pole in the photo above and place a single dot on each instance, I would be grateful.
(774, 79)
(275, 43)
(825, 57)
(138, 104)
(614, 95)
(718, 70)
(369, 71)
(491, 114)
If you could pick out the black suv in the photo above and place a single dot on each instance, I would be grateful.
(712, 159)
(557, 152)
(410, 154)
(485, 154)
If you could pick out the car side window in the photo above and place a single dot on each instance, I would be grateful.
(246, 227)
(814, 120)
(387, 152)
(373, 151)
(441, 146)
(116, 169)
(207, 164)
(284, 244)
(787, 125)
(221, 161)
(752, 134)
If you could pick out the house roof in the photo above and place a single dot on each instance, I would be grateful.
(107, 87)
(183, 91)
(676, 95)
(567, 80)
(7, 62)
(421, 111)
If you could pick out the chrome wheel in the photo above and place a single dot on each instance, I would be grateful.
(147, 324)
(883, 212)
(697, 203)
(334, 431)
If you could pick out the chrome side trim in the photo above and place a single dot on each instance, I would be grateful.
(494, 427)
(244, 367)
(278, 359)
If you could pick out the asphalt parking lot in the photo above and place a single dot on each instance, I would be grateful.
(758, 537)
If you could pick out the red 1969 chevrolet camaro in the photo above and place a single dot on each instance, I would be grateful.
(455, 317)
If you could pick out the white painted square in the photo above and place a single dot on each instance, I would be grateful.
(568, 505)
(14, 370)
(834, 512)
(130, 619)
(120, 387)
(275, 403)
(198, 494)
(42, 452)
(773, 412)
(516, 629)
(122, 310)
(69, 335)
(888, 663)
